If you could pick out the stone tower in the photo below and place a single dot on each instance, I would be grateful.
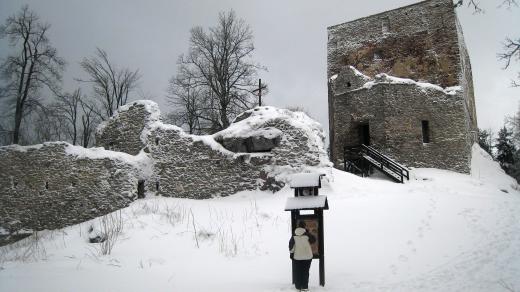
(401, 82)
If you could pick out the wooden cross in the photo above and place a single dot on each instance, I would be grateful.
(259, 90)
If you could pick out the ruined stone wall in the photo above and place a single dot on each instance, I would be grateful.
(293, 151)
(45, 187)
(394, 113)
(123, 132)
(199, 167)
(449, 146)
(418, 41)
(56, 184)
(422, 42)
(187, 168)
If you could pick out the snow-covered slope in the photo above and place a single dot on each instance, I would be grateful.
(442, 231)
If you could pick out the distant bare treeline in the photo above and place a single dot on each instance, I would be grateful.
(214, 83)
(37, 109)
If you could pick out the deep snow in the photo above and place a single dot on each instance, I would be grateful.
(442, 231)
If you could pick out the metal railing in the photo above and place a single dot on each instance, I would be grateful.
(366, 154)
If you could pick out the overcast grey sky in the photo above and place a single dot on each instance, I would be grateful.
(290, 40)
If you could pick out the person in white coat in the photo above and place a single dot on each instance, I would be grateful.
(301, 254)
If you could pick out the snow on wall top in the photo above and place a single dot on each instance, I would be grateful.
(387, 79)
(19, 148)
(141, 161)
(251, 122)
(359, 74)
(260, 115)
(208, 140)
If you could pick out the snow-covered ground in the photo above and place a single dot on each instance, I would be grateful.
(442, 231)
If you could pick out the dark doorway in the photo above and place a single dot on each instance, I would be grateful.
(425, 131)
(364, 134)
(140, 189)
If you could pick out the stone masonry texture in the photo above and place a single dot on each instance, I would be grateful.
(56, 184)
(422, 42)
(46, 188)
(191, 166)
(123, 132)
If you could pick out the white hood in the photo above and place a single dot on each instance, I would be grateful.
(299, 231)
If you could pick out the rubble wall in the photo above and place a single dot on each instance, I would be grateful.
(123, 132)
(199, 167)
(53, 185)
(394, 113)
(44, 187)
(191, 166)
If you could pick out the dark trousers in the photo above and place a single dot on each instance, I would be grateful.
(301, 273)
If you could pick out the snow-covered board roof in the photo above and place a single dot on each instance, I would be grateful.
(301, 180)
(307, 203)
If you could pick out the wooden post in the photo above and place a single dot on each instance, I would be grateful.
(293, 226)
(322, 247)
(259, 92)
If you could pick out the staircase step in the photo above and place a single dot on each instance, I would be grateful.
(370, 156)
(385, 170)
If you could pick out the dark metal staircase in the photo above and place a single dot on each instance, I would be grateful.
(361, 159)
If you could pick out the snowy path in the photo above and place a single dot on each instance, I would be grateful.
(442, 231)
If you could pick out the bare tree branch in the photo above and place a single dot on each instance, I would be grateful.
(470, 3)
(216, 77)
(89, 121)
(511, 48)
(511, 52)
(112, 86)
(508, 3)
(33, 65)
(67, 106)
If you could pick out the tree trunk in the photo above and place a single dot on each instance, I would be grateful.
(224, 117)
(75, 133)
(17, 123)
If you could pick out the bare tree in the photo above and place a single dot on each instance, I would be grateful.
(89, 122)
(476, 6)
(33, 65)
(219, 62)
(112, 86)
(511, 52)
(47, 124)
(67, 106)
(187, 100)
(511, 47)
(6, 136)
